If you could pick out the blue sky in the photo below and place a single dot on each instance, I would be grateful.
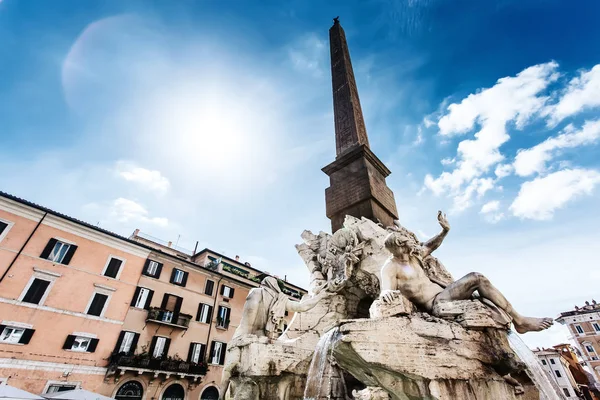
(210, 121)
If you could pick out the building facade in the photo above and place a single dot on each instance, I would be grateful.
(131, 318)
(64, 294)
(558, 368)
(584, 325)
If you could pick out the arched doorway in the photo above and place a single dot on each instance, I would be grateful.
(174, 392)
(131, 390)
(210, 393)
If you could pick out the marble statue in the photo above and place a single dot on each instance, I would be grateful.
(262, 319)
(404, 272)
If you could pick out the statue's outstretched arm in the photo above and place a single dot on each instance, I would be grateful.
(436, 241)
(307, 304)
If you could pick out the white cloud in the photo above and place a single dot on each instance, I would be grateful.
(490, 206)
(448, 161)
(513, 99)
(149, 179)
(533, 160)
(580, 94)
(125, 210)
(503, 170)
(491, 211)
(539, 198)
(309, 55)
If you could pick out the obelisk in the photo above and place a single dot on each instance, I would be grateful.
(357, 176)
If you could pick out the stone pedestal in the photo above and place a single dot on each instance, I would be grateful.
(424, 357)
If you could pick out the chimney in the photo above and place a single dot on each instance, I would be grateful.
(169, 244)
(237, 258)
(135, 233)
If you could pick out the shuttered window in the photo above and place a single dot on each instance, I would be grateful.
(227, 291)
(97, 305)
(14, 335)
(142, 298)
(59, 252)
(36, 291)
(217, 352)
(152, 268)
(204, 313)
(196, 353)
(113, 267)
(80, 343)
(209, 288)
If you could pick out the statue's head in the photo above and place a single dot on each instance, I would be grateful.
(398, 243)
(271, 283)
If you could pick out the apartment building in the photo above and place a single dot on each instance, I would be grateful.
(131, 318)
(584, 326)
(558, 369)
(65, 288)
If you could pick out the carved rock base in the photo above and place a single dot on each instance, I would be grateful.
(423, 357)
(471, 314)
(399, 306)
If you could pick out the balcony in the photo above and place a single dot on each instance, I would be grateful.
(143, 363)
(167, 317)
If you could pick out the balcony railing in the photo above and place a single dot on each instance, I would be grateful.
(145, 363)
(168, 317)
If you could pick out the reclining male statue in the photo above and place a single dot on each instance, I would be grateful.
(262, 316)
(403, 272)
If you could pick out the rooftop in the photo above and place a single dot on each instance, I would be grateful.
(586, 309)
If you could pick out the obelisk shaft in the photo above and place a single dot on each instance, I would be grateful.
(357, 176)
(349, 123)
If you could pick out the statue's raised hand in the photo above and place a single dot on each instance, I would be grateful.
(443, 221)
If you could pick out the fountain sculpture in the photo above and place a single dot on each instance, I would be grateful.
(352, 342)
(383, 319)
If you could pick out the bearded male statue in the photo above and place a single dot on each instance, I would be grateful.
(262, 317)
(404, 272)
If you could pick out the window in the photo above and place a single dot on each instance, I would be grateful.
(113, 267)
(160, 346)
(59, 387)
(209, 287)
(196, 353)
(227, 291)
(204, 313)
(567, 394)
(544, 362)
(142, 298)
(179, 277)
(152, 268)
(36, 291)
(589, 348)
(81, 343)
(15, 335)
(127, 342)
(4, 228)
(97, 305)
(552, 361)
(579, 329)
(223, 317)
(217, 353)
(558, 375)
(596, 326)
(59, 252)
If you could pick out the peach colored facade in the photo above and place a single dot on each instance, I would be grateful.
(62, 311)
(129, 318)
(155, 380)
(584, 326)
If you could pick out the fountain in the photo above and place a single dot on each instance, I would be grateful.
(383, 319)
(346, 341)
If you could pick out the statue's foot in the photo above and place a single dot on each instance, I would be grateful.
(530, 324)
